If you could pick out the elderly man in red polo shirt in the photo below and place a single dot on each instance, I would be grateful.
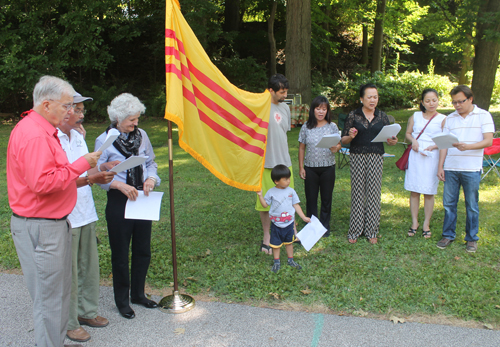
(42, 192)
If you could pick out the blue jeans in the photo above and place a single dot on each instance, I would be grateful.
(470, 183)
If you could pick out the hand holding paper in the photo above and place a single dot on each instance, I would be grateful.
(130, 163)
(328, 141)
(311, 233)
(110, 138)
(387, 132)
(445, 141)
(144, 207)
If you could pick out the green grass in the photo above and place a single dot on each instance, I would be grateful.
(218, 233)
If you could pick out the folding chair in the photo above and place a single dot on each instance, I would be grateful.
(489, 161)
(343, 154)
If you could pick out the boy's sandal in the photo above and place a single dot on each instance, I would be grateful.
(426, 234)
(412, 232)
(266, 247)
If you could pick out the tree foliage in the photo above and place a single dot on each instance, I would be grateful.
(110, 46)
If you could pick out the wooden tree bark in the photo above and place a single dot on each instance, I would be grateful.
(487, 50)
(272, 40)
(466, 59)
(378, 36)
(298, 47)
(232, 15)
(326, 26)
(364, 47)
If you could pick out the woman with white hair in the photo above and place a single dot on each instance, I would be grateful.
(124, 112)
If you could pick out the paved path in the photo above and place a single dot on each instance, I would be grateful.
(219, 324)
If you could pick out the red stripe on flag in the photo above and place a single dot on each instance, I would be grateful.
(170, 34)
(227, 116)
(229, 135)
(215, 87)
(169, 50)
(173, 69)
(189, 95)
(226, 95)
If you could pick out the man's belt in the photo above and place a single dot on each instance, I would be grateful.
(36, 218)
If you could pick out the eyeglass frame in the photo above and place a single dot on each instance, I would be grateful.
(68, 107)
(456, 103)
(78, 111)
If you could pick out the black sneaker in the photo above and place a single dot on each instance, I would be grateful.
(276, 267)
(295, 265)
(443, 243)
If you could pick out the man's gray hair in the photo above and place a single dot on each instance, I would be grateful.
(124, 106)
(51, 88)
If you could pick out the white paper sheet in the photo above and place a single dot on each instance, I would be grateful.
(445, 141)
(429, 154)
(328, 141)
(112, 135)
(311, 233)
(387, 132)
(144, 207)
(129, 163)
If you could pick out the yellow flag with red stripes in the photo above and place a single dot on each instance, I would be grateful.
(220, 125)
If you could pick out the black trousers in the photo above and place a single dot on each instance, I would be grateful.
(121, 231)
(319, 180)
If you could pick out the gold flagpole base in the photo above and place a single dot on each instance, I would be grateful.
(176, 303)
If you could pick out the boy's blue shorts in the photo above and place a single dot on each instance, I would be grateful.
(281, 236)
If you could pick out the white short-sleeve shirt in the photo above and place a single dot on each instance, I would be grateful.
(468, 130)
(84, 212)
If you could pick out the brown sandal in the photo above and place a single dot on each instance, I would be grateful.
(373, 240)
(353, 241)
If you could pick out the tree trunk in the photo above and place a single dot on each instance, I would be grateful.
(232, 15)
(364, 47)
(378, 36)
(298, 47)
(326, 26)
(487, 50)
(466, 59)
(272, 41)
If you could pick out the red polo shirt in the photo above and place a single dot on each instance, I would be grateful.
(40, 181)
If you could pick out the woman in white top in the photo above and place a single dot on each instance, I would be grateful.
(421, 175)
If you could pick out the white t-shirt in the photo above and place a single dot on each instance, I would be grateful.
(468, 130)
(84, 212)
(282, 212)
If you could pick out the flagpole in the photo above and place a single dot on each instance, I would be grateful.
(175, 303)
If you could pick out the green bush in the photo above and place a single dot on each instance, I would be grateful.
(244, 73)
(395, 90)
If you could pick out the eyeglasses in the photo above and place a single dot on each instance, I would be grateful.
(66, 106)
(455, 103)
(80, 110)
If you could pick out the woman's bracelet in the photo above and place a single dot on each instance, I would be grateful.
(152, 178)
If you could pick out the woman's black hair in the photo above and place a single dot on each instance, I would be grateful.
(318, 101)
(365, 87)
(280, 171)
(424, 93)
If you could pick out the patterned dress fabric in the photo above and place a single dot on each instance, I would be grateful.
(366, 184)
